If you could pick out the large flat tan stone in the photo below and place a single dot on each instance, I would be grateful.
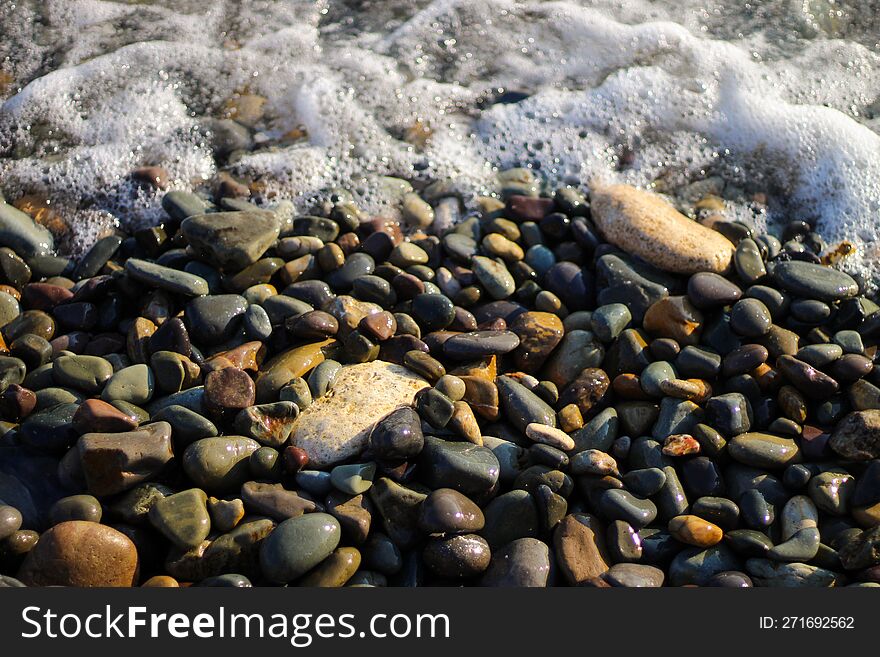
(336, 426)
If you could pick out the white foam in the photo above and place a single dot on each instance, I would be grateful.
(780, 98)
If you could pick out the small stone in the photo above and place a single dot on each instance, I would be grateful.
(297, 545)
(268, 424)
(709, 290)
(219, 463)
(634, 575)
(479, 344)
(763, 450)
(132, 384)
(447, 511)
(229, 389)
(608, 321)
(83, 554)
(335, 570)
(648, 226)
(337, 427)
(457, 556)
(182, 518)
(95, 415)
(166, 278)
(231, 239)
(470, 469)
(676, 318)
(857, 436)
(275, 501)
(215, 319)
(617, 504)
(580, 548)
(85, 373)
(522, 406)
(75, 507)
(398, 435)
(693, 530)
(114, 462)
(353, 478)
(494, 276)
(539, 334)
(525, 562)
(812, 281)
(547, 435)
(225, 514)
(750, 318)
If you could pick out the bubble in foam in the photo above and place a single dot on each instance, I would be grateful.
(658, 94)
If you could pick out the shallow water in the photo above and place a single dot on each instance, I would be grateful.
(771, 101)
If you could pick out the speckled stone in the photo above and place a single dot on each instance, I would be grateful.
(337, 426)
(646, 225)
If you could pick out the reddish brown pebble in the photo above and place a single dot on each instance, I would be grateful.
(629, 386)
(293, 459)
(378, 326)
(17, 402)
(95, 415)
(313, 324)
(43, 296)
(587, 390)
(529, 208)
(154, 176)
(81, 553)
(229, 388)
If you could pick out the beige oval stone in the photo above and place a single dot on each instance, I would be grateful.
(646, 225)
(81, 553)
(336, 426)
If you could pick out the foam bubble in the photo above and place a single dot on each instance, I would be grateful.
(677, 96)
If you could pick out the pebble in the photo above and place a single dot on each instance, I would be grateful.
(337, 427)
(648, 226)
(81, 553)
(182, 518)
(470, 469)
(857, 436)
(812, 281)
(763, 450)
(541, 433)
(478, 344)
(114, 462)
(525, 562)
(709, 290)
(297, 545)
(750, 318)
(166, 278)
(75, 507)
(231, 239)
(494, 276)
(694, 530)
(268, 424)
(522, 406)
(220, 463)
(22, 234)
(579, 540)
(353, 478)
(445, 510)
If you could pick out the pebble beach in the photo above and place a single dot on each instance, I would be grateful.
(560, 390)
(446, 364)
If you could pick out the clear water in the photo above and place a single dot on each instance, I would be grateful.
(773, 104)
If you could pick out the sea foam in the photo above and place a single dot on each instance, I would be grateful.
(780, 99)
